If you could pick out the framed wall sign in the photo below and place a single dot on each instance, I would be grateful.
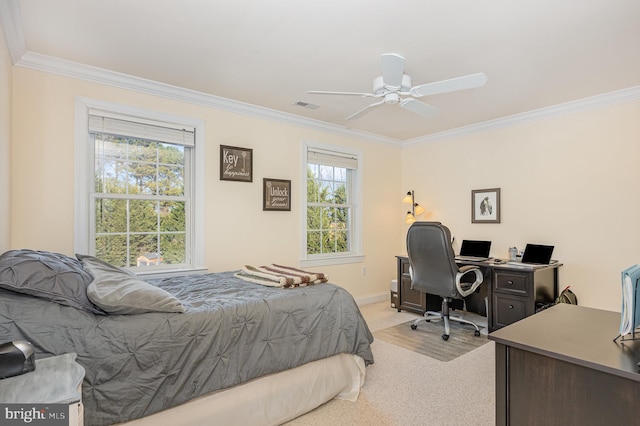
(236, 163)
(485, 205)
(276, 194)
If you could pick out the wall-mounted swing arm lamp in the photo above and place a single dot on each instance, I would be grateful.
(416, 209)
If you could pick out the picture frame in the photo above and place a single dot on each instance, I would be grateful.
(276, 194)
(485, 205)
(236, 164)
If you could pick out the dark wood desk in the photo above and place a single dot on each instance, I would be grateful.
(561, 367)
(512, 292)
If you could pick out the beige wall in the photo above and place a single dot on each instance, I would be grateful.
(237, 230)
(570, 181)
(5, 143)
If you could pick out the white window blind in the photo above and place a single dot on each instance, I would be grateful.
(331, 158)
(113, 124)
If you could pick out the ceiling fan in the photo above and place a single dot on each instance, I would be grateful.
(394, 87)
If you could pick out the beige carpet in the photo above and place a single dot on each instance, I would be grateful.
(427, 339)
(405, 388)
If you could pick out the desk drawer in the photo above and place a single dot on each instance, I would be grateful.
(509, 309)
(514, 283)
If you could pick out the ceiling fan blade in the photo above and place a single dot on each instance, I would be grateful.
(451, 85)
(364, 110)
(418, 107)
(321, 92)
(392, 70)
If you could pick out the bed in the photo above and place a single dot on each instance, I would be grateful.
(212, 343)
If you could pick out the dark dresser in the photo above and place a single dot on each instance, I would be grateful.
(562, 367)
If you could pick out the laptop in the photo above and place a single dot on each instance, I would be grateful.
(474, 250)
(535, 255)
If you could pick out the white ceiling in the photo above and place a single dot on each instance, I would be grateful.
(535, 53)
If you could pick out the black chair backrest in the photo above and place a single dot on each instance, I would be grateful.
(432, 259)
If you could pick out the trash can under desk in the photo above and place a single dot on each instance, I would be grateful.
(394, 294)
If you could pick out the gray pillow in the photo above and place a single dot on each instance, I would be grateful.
(46, 275)
(118, 291)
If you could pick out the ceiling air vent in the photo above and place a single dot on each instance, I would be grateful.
(306, 105)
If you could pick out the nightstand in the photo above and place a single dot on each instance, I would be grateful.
(53, 391)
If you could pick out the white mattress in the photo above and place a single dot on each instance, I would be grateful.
(272, 399)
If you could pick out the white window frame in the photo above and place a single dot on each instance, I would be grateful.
(355, 255)
(84, 169)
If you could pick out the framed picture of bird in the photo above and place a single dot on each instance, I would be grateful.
(485, 205)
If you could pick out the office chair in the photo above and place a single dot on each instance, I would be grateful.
(434, 270)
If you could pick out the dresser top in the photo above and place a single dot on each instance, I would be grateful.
(576, 334)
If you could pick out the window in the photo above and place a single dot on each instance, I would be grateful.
(332, 217)
(139, 193)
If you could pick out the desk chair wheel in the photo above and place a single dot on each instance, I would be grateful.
(476, 333)
(413, 326)
(445, 337)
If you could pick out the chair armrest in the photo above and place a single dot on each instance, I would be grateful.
(463, 270)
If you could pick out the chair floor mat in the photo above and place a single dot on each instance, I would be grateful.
(427, 339)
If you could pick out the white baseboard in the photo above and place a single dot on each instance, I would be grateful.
(374, 298)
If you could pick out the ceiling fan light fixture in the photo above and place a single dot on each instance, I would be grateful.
(391, 98)
(394, 83)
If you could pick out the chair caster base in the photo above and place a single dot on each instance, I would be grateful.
(476, 333)
(445, 337)
(413, 326)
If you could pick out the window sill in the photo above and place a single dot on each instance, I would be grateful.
(333, 260)
(165, 273)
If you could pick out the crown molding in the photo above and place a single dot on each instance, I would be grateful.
(616, 97)
(39, 62)
(11, 23)
(79, 71)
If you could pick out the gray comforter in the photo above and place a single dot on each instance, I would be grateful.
(232, 331)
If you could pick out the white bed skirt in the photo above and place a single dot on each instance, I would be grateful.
(272, 399)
